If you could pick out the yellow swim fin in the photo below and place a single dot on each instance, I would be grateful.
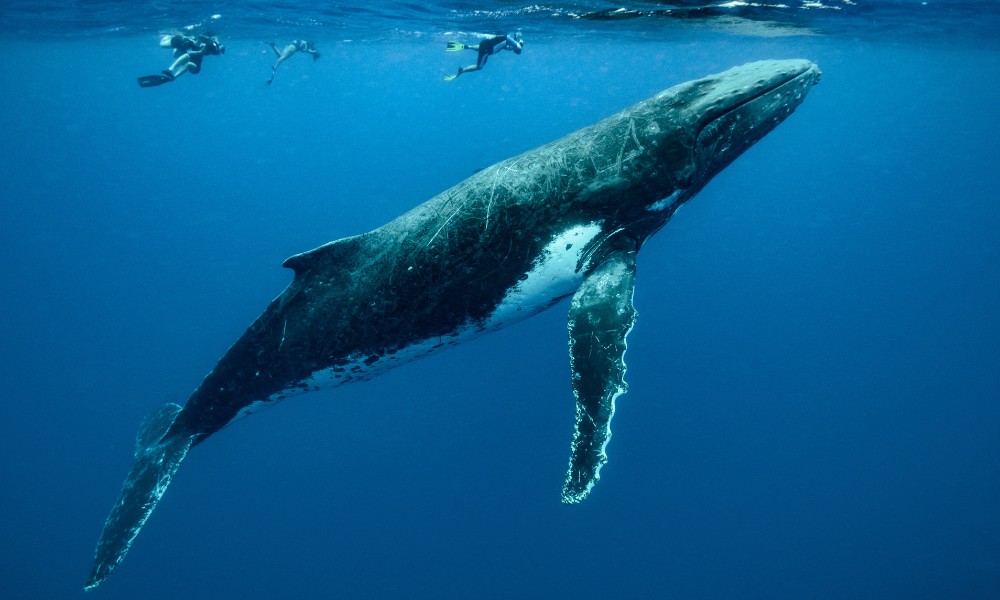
(454, 47)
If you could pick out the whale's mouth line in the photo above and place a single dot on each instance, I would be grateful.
(750, 99)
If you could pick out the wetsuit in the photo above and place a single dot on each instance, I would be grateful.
(196, 56)
(183, 43)
(496, 44)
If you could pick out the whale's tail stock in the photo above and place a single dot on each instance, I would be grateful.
(157, 457)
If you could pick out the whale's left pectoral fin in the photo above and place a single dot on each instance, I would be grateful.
(600, 316)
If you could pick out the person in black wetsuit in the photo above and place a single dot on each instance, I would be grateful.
(189, 51)
(486, 48)
(296, 46)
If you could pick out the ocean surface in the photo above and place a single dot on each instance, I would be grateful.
(814, 401)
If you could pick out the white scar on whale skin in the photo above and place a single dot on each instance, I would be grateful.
(665, 202)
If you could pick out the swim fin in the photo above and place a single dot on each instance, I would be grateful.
(449, 77)
(454, 47)
(154, 80)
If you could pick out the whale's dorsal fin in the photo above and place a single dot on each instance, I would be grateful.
(334, 252)
(600, 316)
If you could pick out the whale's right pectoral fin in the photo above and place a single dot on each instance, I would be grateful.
(600, 316)
(156, 460)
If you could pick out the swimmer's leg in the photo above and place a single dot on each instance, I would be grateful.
(460, 71)
(183, 65)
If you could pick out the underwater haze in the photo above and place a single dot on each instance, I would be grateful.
(814, 376)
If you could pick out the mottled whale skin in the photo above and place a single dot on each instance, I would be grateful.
(565, 219)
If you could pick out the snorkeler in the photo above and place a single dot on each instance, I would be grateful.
(290, 49)
(486, 48)
(189, 52)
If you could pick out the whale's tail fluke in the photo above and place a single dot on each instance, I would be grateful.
(157, 457)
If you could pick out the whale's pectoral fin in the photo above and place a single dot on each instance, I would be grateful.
(600, 316)
(157, 456)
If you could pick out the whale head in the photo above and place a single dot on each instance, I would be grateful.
(685, 135)
(733, 110)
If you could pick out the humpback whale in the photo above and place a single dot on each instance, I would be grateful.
(564, 220)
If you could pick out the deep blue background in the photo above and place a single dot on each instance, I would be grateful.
(814, 375)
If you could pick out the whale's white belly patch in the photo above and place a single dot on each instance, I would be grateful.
(362, 367)
(554, 275)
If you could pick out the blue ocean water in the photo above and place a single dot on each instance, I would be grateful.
(813, 406)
